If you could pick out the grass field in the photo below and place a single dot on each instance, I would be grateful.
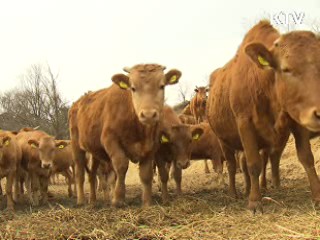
(203, 211)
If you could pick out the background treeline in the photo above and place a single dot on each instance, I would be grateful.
(36, 102)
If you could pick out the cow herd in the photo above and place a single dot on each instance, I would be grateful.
(269, 89)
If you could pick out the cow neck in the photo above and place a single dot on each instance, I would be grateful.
(142, 137)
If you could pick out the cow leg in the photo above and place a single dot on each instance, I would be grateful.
(263, 178)
(93, 180)
(206, 167)
(74, 180)
(9, 185)
(177, 176)
(44, 183)
(244, 168)
(163, 178)
(16, 188)
(248, 139)
(217, 166)
(79, 158)
(34, 189)
(232, 168)
(146, 176)
(275, 157)
(67, 174)
(305, 156)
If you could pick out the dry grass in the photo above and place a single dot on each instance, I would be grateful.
(204, 211)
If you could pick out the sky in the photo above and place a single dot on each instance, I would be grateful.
(87, 42)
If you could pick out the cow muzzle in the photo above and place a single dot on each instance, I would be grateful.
(46, 165)
(183, 165)
(149, 117)
(311, 119)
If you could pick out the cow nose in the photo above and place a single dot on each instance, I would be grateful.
(46, 165)
(317, 114)
(183, 165)
(149, 116)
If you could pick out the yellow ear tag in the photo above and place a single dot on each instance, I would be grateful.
(33, 145)
(173, 79)
(263, 61)
(123, 85)
(164, 139)
(6, 143)
(196, 136)
(61, 146)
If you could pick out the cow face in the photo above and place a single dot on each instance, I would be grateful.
(180, 138)
(201, 94)
(5, 142)
(146, 84)
(295, 59)
(46, 148)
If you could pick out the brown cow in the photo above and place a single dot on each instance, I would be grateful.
(37, 156)
(206, 148)
(120, 123)
(198, 104)
(61, 160)
(10, 157)
(176, 140)
(189, 119)
(273, 78)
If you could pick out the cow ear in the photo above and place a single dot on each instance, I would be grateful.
(33, 143)
(172, 77)
(260, 55)
(61, 144)
(196, 90)
(121, 80)
(164, 138)
(196, 133)
(6, 141)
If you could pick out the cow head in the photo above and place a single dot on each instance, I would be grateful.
(46, 147)
(5, 142)
(295, 59)
(180, 138)
(146, 83)
(201, 95)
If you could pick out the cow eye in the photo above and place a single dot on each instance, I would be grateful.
(162, 87)
(133, 89)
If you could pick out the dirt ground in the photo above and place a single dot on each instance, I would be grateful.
(203, 211)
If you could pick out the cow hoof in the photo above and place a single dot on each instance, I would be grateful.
(255, 206)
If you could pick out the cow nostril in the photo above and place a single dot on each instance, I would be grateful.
(142, 115)
(154, 114)
(317, 114)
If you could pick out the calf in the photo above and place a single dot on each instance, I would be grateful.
(273, 78)
(198, 104)
(176, 140)
(120, 123)
(38, 150)
(10, 157)
(206, 148)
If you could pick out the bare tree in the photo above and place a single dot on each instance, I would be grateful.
(183, 91)
(37, 102)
